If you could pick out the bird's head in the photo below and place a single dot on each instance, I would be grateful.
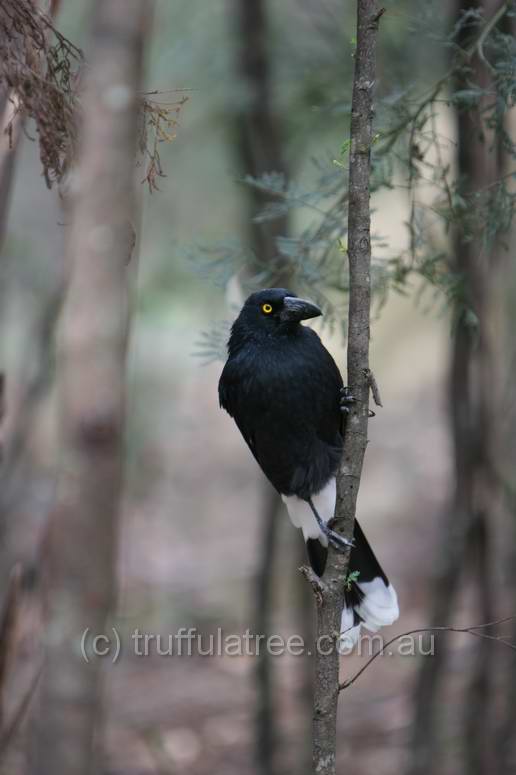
(271, 311)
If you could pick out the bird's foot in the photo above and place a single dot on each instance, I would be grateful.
(336, 540)
(346, 401)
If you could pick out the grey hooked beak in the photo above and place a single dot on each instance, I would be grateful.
(295, 309)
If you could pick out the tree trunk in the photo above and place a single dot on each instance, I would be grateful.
(330, 592)
(259, 136)
(260, 151)
(81, 542)
(474, 402)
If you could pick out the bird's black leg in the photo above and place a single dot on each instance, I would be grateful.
(334, 538)
(347, 400)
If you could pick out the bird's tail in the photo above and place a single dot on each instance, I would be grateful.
(370, 600)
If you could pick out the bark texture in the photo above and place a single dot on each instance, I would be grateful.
(81, 543)
(474, 405)
(260, 151)
(330, 594)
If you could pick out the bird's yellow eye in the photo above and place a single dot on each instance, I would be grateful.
(267, 309)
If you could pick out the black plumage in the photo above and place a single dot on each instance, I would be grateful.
(285, 392)
(282, 387)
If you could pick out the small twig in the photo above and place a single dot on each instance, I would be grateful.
(373, 384)
(317, 584)
(158, 125)
(378, 16)
(476, 47)
(491, 24)
(471, 630)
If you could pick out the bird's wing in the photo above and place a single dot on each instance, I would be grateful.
(317, 555)
(230, 396)
(324, 383)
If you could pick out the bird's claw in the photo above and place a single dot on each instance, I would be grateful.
(346, 401)
(337, 541)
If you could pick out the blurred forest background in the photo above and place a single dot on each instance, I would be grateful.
(264, 86)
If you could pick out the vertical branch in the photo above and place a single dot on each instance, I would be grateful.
(359, 253)
(330, 598)
(81, 542)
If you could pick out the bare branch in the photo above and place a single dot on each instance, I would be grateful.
(471, 630)
(316, 583)
(355, 441)
(375, 390)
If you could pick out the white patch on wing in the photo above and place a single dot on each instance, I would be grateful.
(379, 606)
(301, 514)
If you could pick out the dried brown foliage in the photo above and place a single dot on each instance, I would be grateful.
(159, 123)
(39, 68)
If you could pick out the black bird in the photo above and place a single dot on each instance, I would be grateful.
(285, 393)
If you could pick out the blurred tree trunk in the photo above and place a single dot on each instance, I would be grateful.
(12, 440)
(81, 543)
(259, 135)
(506, 732)
(260, 151)
(266, 721)
(475, 416)
(9, 142)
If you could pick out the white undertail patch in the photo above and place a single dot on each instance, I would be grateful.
(301, 514)
(379, 606)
